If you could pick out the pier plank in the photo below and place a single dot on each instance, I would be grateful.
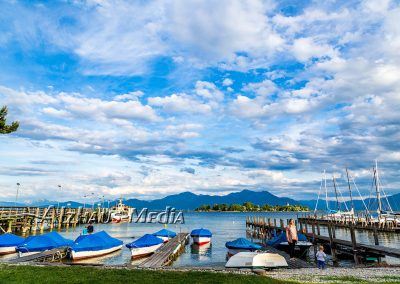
(164, 254)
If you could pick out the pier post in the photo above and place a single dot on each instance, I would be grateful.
(354, 244)
(332, 244)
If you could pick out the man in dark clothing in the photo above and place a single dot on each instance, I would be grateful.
(90, 228)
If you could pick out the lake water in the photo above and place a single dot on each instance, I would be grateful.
(225, 226)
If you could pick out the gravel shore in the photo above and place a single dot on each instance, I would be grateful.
(338, 275)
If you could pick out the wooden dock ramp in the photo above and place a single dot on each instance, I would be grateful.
(166, 253)
(46, 256)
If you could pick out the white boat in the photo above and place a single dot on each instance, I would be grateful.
(120, 213)
(255, 260)
(9, 243)
(201, 236)
(94, 245)
(144, 246)
(165, 235)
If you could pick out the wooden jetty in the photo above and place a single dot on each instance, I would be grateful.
(46, 256)
(358, 222)
(31, 219)
(263, 229)
(167, 253)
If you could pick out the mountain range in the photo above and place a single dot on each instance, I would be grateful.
(190, 201)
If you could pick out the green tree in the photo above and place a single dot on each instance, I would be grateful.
(4, 128)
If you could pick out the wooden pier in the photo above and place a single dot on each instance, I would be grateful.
(167, 253)
(263, 229)
(31, 219)
(47, 256)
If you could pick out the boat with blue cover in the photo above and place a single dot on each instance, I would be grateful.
(94, 245)
(144, 246)
(280, 242)
(9, 242)
(165, 235)
(48, 241)
(201, 236)
(241, 245)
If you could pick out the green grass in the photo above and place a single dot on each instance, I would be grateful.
(78, 274)
(342, 278)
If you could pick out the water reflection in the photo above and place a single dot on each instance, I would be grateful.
(201, 252)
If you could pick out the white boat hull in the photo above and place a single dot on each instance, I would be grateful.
(201, 240)
(235, 251)
(256, 260)
(165, 239)
(145, 251)
(75, 255)
(7, 250)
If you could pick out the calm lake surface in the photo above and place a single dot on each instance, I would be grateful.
(225, 226)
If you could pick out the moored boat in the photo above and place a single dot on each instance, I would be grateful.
(94, 245)
(36, 244)
(9, 242)
(281, 243)
(165, 235)
(144, 246)
(201, 236)
(120, 213)
(241, 245)
(255, 260)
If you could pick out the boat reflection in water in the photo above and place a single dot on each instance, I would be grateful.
(201, 252)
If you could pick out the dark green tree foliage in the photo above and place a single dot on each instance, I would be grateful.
(4, 128)
(250, 207)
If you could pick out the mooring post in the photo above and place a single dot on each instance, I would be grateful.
(314, 242)
(354, 244)
(332, 244)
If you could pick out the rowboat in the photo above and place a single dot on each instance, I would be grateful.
(201, 236)
(36, 244)
(94, 245)
(9, 242)
(241, 245)
(255, 260)
(165, 235)
(144, 246)
(281, 243)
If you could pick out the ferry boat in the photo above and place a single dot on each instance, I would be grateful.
(120, 213)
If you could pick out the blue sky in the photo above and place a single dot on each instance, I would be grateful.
(150, 98)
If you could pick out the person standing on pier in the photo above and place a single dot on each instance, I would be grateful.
(291, 236)
(90, 228)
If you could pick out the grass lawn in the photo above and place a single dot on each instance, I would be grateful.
(78, 274)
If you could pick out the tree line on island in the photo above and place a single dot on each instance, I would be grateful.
(250, 207)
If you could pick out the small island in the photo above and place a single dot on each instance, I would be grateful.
(250, 207)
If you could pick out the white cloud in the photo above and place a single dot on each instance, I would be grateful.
(180, 103)
(227, 82)
(306, 48)
(208, 91)
(129, 96)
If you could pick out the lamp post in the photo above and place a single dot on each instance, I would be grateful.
(16, 197)
(58, 204)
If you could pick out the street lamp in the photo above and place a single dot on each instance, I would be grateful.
(58, 204)
(16, 197)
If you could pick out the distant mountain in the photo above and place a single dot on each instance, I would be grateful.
(188, 200)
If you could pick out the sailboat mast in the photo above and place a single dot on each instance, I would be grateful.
(326, 192)
(351, 196)
(336, 194)
(378, 191)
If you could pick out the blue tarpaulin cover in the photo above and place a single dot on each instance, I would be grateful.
(281, 238)
(10, 240)
(201, 233)
(43, 242)
(145, 241)
(165, 233)
(94, 242)
(242, 243)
